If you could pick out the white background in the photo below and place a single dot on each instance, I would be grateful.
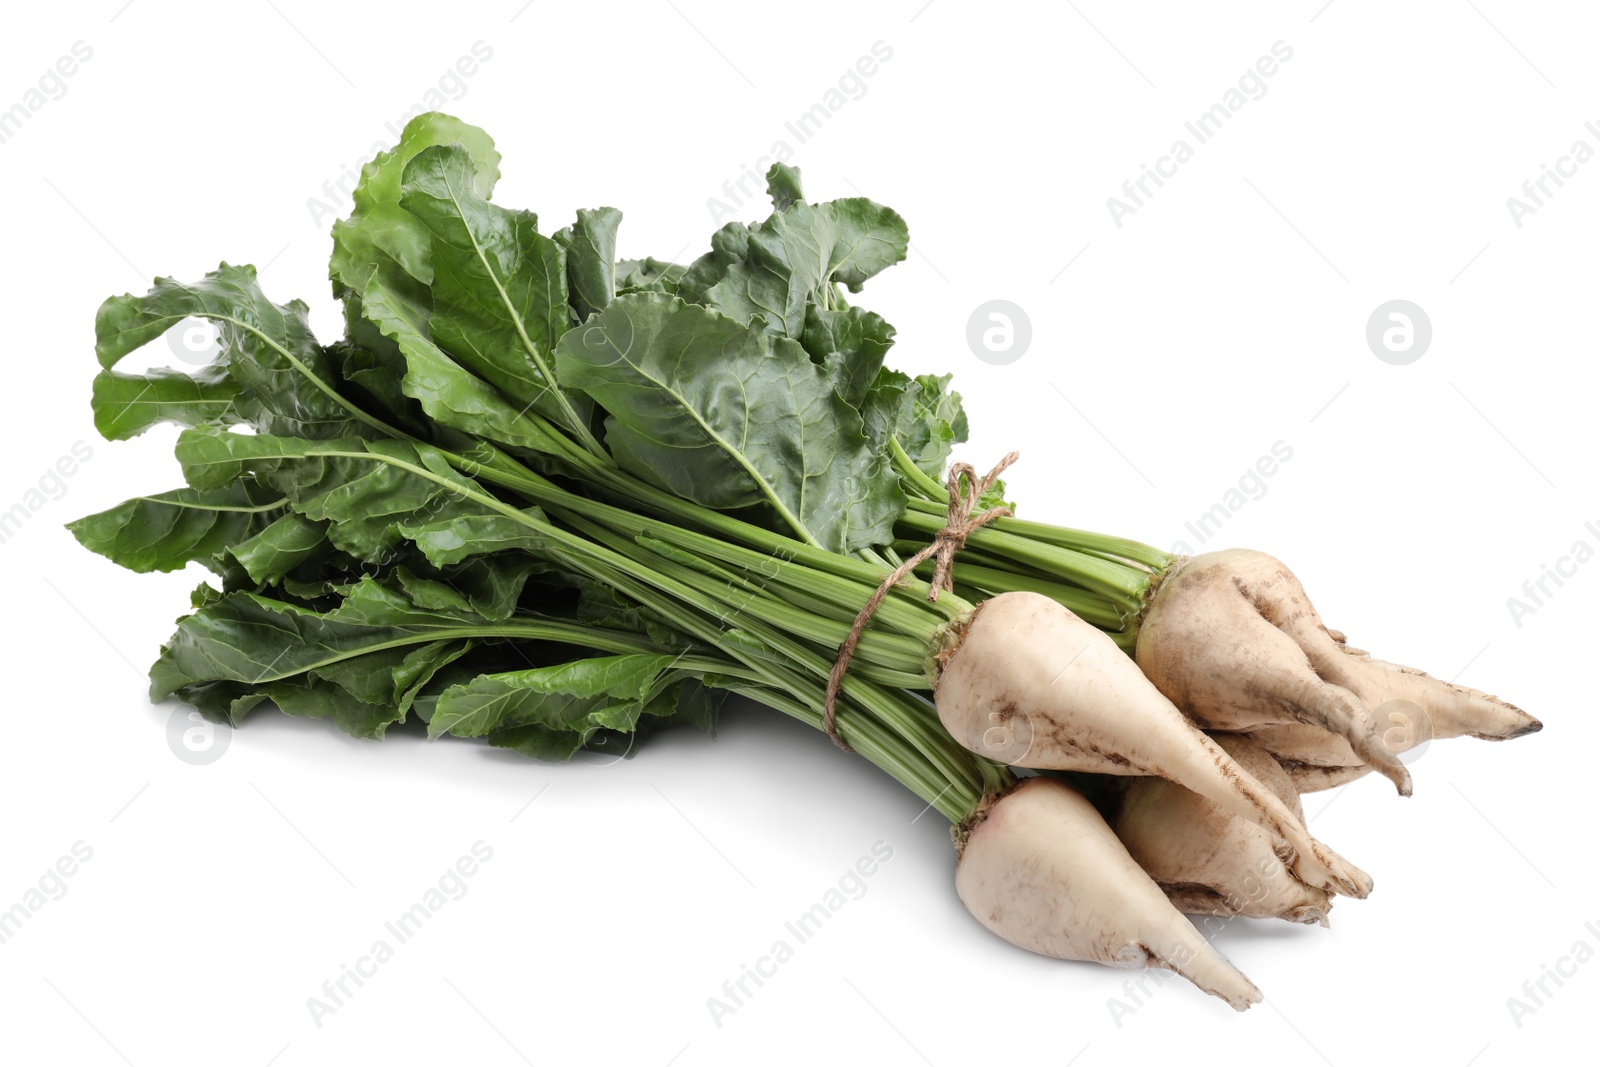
(1226, 315)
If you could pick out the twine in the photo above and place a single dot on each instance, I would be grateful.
(966, 489)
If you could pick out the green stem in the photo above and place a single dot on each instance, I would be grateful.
(738, 602)
(1112, 548)
(917, 482)
(861, 703)
(848, 582)
(1091, 607)
(1119, 582)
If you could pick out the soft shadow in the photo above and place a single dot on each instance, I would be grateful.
(1243, 931)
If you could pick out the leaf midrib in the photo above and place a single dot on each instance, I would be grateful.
(723, 443)
(549, 383)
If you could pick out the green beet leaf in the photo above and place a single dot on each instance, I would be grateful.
(729, 417)
(648, 275)
(574, 696)
(448, 393)
(937, 424)
(251, 640)
(272, 358)
(851, 345)
(285, 545)
(167, 531)
(381, 236)
(774, 271)
(126, 405)
(499, 287)
(591, 247)
(453, 539)
(365, 490)
(316, 697)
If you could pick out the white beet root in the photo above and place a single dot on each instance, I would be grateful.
(1044, 871)
(1232, 639)
(1209, 861)
(1309, 779)
(1030, 684)
(1300, 742)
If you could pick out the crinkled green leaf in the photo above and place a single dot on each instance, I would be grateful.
(889, 408)
(366, 490)
(591, 247)
(167, 531)
(620, 728)
(773, 271)
(382, 264)
(449, 394)
(729, 417)
(221, 702)
(454, 539)
(783, 186)
(601, 605)
(499, 287)
(364, 663)
(729, 245)
(647, 275)
(578, 695)
(287, 379)
(126, 405)
(373, 374)
(252, 640)
(850, 345)
(541, 742)
(315, 697)
(688, 702)
(485, 586)
(285, 544)
(422, 665)
(937, 424)
(380, 237)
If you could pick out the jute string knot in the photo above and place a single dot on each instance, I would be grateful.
(966, 490)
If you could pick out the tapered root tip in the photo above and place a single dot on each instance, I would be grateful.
(1397, 773)
(1347, 879)
(1481, 715)
(1532, 726)
(1253, 997)
(1221, 979)
(1207, 968)
(1358, 887)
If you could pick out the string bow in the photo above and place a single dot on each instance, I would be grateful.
(966, 491)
